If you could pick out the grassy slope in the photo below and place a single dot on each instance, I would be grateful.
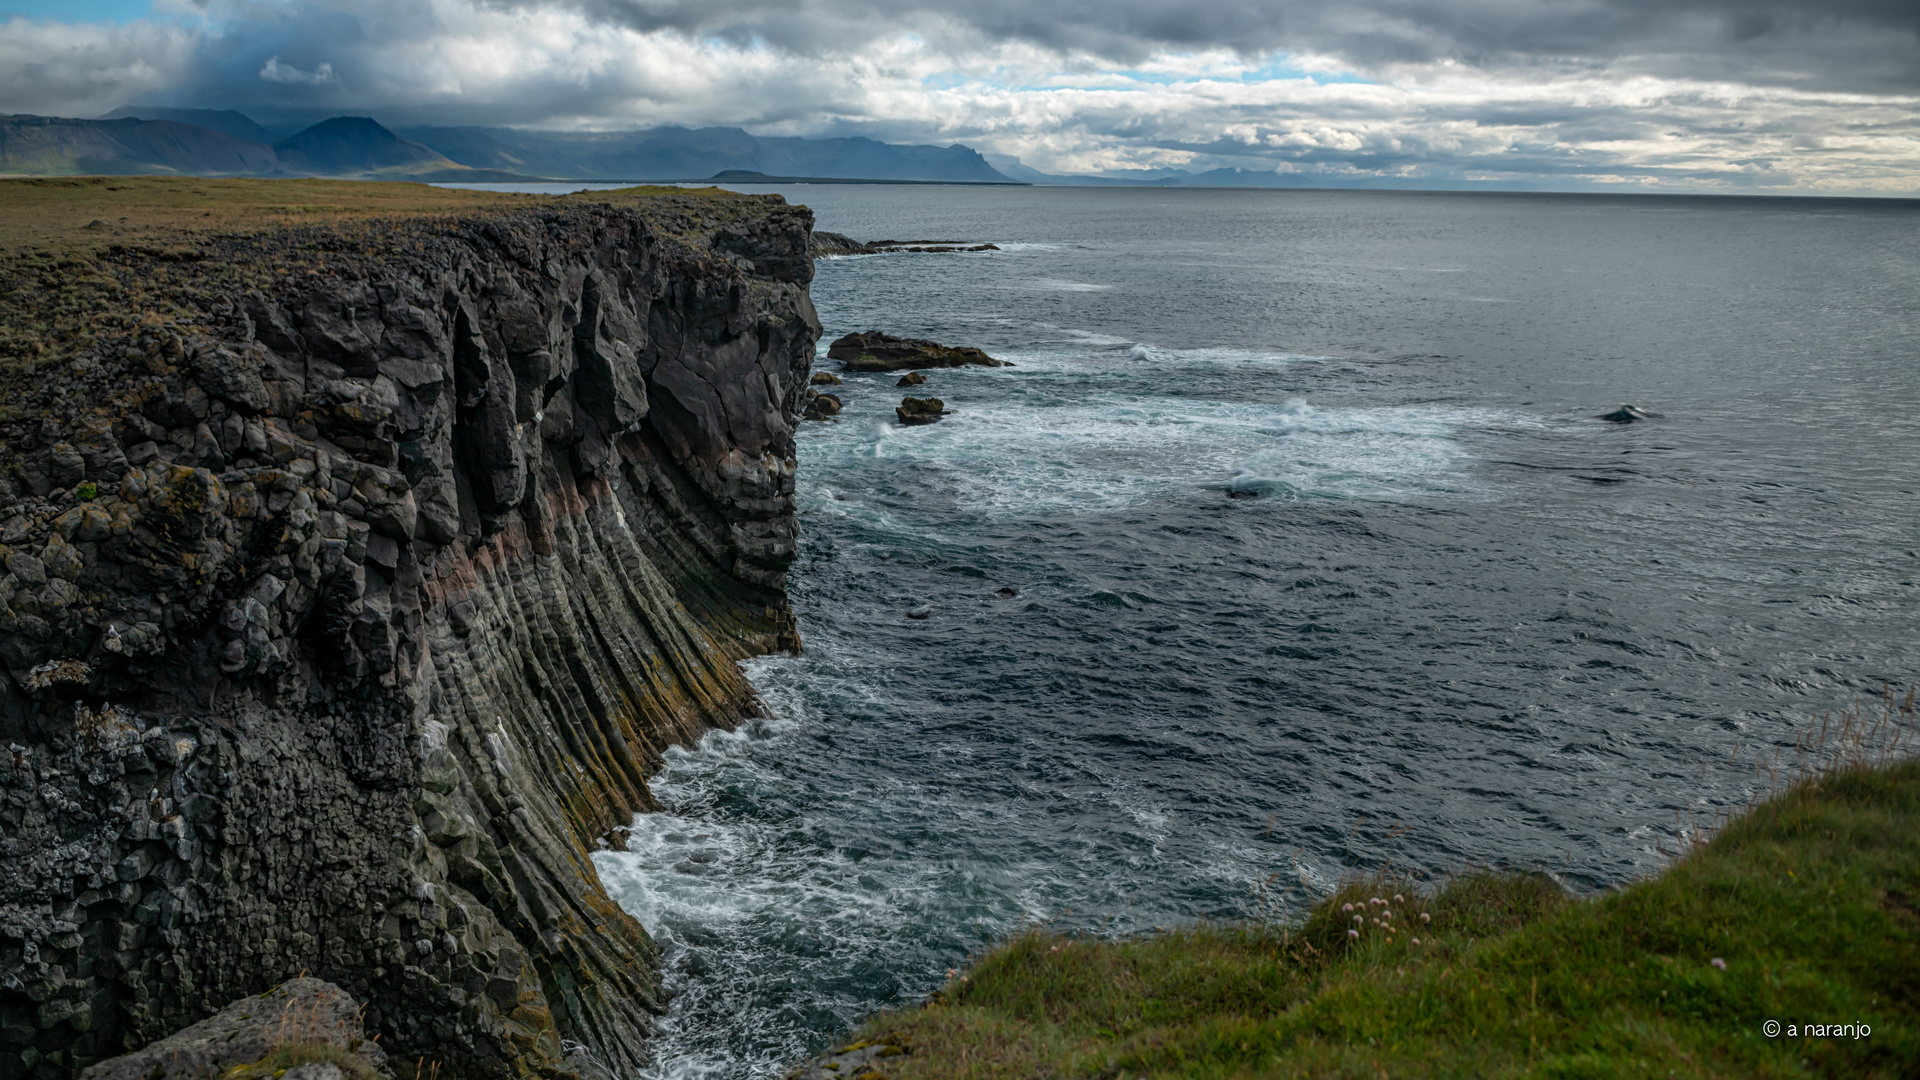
(1809, 899)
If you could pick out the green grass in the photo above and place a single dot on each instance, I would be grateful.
(1809, 899)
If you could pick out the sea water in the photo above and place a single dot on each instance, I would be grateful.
(1319, 556)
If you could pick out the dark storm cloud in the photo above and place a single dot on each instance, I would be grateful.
(1843, 44)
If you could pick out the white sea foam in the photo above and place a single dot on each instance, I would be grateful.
(1049, 449)
(1383, 453)
(1059, 285)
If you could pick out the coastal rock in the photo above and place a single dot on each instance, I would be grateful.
(911, 378)
(1628, 414)
(301, 1013)
(825, 378)
(875, 351)
(821, 406)
(439, 531)
(915, 411)
(862, 1059)
(825, 243)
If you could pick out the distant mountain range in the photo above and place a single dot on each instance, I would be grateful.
(207, 142)
(222, 142)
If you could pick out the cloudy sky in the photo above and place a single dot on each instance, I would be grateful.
(1785, 96)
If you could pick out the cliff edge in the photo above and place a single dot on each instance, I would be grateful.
(365, 547)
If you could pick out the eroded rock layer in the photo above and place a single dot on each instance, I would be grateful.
(348, 607)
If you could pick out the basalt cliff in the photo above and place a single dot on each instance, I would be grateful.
(361, 562)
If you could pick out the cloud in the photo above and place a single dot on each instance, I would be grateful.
(275, 71)
(89, 69)
(1685, 94)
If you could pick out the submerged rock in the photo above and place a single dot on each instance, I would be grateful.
(1006, 593)
(911, 378)
(914, 411)
(921, 612)
(1627, 414)
(875, 351)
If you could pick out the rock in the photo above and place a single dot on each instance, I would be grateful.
(825, 378)
(821, 406)
(875, 351)
(368, 595)
(833, 243)
(1006, 593)
(857, 1059)
(921, 612)
(914, 411)
(298, 1013)
(937, 247)
(1627, 414)
(911, 378)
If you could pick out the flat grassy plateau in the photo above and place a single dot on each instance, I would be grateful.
(88, 260)
(1802, 911)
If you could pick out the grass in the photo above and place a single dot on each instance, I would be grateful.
(1801, 910)
(57, 213)
(124, 268)
(281, 1058)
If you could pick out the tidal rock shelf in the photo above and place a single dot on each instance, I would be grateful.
(361, 563)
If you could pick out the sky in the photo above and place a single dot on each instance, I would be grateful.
(1736, 96)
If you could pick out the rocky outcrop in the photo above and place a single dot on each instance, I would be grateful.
(875, 351)
(1628, 414)
(829, 244)
(353, 589)
(911, 378)
(307, 1018)
(819, 406)
(914, 411)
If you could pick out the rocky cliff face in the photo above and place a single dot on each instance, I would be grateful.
(350, 600)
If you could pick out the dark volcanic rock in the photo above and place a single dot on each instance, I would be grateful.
(821, 406)
(306, 1012)
(911, 378)
(1628, 414)
(408, 553)
(914, 411)
(875, 351)
(833, 243)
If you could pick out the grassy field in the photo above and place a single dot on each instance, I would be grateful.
(58, 213)
(86, 260)
(1801, 911)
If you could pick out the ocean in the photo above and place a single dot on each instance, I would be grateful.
(1321, 561)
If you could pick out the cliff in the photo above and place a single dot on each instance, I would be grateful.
(366, 545)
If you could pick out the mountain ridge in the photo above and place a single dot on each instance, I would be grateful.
(139, 140)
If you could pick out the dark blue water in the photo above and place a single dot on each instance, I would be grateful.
(1322, 560)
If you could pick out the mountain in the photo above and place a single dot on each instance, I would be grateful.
(675, 153)
(142, 139)
(52, 145)
(225, 121)
(356, 145)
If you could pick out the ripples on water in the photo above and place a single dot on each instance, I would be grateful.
(1315, 540)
